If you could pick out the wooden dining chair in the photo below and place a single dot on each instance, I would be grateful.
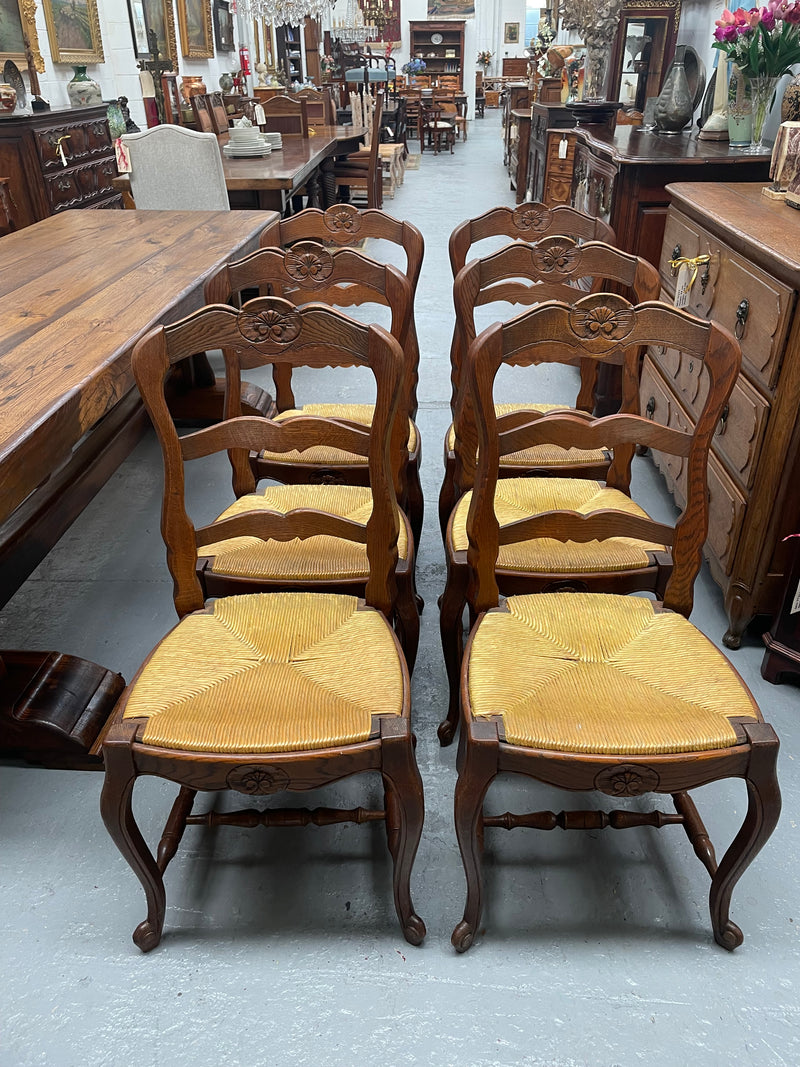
(344, 225)
(413, 102)
(600, 693)
(203, 116)
(447, 102)
(286, 116)
(542, 478)
(342, 278)
(436, 126)
(319, 106)
(219, 114)
(8, 220)
(362, 170)
(554, 268)
(269, 693)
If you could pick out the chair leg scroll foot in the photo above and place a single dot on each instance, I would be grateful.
(405, 813)
(763, 810)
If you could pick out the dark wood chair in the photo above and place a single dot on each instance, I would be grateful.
(319, 106)
(285, 116)
(278, 692)
(480, 96)
(436, 126)
(345, 225)
(450, 111)
(362, 170)
(7, 208)
(203, 115)
(593, 692)
(413, 102)
(541, 478)
(325, 477)
(219, 114)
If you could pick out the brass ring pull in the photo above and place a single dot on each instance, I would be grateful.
(676, 254)
(723, 421)
(691, 366)
(742, 311)
(649, 411)
(704, 276)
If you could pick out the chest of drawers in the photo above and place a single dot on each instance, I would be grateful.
(550, 171)
(750, 284)
(41, 182)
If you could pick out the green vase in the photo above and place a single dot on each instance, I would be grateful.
(82, 90)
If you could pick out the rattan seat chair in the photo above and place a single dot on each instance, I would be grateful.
(344, 226)
(270, 692)
(594, 692)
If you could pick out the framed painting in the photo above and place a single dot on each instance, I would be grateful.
(197, 35)
(18, 21)
(158, 17)
(74, 31)
(223, 26)
(511, 35)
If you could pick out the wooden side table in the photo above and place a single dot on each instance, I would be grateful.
(783, 637)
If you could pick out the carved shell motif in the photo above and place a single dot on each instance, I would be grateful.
(258, 781)
(556, 255)
(531, 218)
(626, 780)
(343, 218)
(602, 319)
(279, 324)
(308, 263)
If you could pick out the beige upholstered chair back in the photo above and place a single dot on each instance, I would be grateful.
(175, 169)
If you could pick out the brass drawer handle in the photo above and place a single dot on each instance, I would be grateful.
(742, 311)
(691, 366)
(676, 254)
(59, 148)
(723, 421)
(650, 410)
(704, 276)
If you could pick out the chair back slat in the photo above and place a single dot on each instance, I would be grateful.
(257, 434)
(269, 330)
(594, 526)
(601, 327)
(297, 524)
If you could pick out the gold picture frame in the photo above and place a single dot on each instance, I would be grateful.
(20, 13)
(197, 31)
(73, 28)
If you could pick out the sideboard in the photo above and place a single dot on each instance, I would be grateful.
(57, 160)
(750, 284)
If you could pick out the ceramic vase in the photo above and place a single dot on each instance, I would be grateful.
(674, 107)
(8, 99)
(82, 90)
(226, 83)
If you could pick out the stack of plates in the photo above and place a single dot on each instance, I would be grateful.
(274, 140)
(246, 141)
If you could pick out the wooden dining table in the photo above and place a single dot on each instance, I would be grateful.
(268, 183)
(77, 291)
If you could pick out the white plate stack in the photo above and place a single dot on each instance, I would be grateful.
(275, 140)
(244, 141)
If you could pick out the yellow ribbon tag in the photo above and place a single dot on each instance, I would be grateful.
(687, 274)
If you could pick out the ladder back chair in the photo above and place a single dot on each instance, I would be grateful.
(594, 692)
(450, 109)
(362, 170)
(437, 126)
(285, 115)
(320, 477)
(269, 692)
(554, 268)
(343, 278)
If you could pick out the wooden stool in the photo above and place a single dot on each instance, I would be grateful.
(391, 157)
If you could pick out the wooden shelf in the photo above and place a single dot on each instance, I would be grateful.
(433, 55)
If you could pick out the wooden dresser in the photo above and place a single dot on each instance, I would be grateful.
(621, 176)
(516, 97)
(519, 138)
(549, 174)
(41, 184)
(750, 285)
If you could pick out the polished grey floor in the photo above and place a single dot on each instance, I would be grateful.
(281, 947)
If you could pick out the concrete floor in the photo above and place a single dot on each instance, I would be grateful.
(281, 947)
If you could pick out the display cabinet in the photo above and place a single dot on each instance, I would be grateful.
(290, 55)
(441, 46)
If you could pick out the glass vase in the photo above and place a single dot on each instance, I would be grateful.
(596, 69)
(762, 97)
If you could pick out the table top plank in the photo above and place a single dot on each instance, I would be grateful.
(88, 285)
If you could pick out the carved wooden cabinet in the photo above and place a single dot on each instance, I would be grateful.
(446, 54)
(41, 182)
(621, 176)
(750, 284)
(550, 173)
(519, 151)
(515, 98)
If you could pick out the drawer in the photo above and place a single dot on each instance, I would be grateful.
(560, 167)
(762, 323)
(726, 507)
(683, 239)
(77, 185)
(81, 141)
(658, 404)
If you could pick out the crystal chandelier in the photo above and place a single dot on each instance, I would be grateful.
(282, 12)
(352, 29)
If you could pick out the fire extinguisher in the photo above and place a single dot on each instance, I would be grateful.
(244, 59)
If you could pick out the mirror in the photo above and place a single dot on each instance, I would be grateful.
(643, 49)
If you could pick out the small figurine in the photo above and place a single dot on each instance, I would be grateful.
(261, 71)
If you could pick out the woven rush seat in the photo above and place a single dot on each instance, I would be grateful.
(313, 559)
(332, 457)
(520, 498)
(603, 674)
(269, 672)
(541, 455)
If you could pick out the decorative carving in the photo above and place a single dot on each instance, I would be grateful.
(626, 780)
(308, 263)
(258, 780)
(269, 324)
(531, 218)
(343, 218)
(602, 318)
(559, 255)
